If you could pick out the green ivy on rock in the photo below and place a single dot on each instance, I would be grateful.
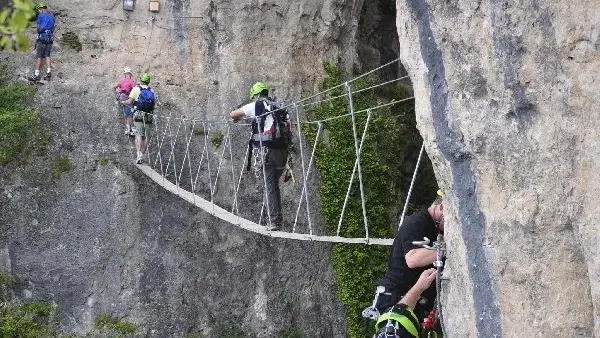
(391, 139)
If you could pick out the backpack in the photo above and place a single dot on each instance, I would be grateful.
(279, 135)
(145, 103)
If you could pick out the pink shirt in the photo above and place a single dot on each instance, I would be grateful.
(126, 85)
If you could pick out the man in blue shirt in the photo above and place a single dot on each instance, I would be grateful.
(43, 45)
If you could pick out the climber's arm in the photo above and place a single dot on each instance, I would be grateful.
(420, 257)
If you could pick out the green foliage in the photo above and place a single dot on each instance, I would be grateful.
(13, 23)
(290, 333)
(23, 319)
(103, 161)
(72, 40)
(391, 137)
(6, 279)
(20, 129)
(217, 139)
(197, 130)
(195, 335)
(122, 328)
(231, 330)
(61, 165)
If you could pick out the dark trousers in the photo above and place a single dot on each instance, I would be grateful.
(275, 160)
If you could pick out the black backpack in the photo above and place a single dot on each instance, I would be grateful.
(279, 136)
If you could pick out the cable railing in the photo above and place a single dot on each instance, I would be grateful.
(190, 156)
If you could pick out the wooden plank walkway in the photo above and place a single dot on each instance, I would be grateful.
(243, 223)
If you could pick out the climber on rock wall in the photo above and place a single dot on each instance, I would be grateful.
(400, 320)
(408, 260)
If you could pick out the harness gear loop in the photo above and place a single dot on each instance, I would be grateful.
(257, 161)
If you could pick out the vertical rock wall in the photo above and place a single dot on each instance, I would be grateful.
(506, 99)
(101, 238)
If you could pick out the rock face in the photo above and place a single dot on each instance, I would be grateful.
(505, 93)
(102, 238)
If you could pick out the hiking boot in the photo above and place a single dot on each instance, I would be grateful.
(132, 131)
(48, 76)
(34, 78)
(139, 159)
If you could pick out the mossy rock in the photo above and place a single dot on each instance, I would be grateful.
(72, 40)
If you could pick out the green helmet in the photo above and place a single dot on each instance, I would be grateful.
(145, 78)
(256, 89)
(41, 5)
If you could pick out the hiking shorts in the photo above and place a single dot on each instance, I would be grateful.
(142, 129)
(127, 110)
(42, 49)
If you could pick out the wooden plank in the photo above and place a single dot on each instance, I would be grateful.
(243, 223)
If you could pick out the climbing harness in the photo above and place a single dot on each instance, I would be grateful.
(288, 174)
(435, 315)
(258, 159)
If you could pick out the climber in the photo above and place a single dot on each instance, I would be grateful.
(123, 88)
(407, 261)
(43, 44)
(271, 134)
(143, 99)
(400, 321)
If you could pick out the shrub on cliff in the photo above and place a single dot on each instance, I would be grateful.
(391, 139)
(19, 123)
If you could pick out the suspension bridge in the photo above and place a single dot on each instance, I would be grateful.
(203, 162)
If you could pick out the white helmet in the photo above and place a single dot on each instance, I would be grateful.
(127, 70)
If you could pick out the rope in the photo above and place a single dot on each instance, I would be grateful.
(304, 174)
(167, 129)
(362, 140)
(332, 88)
(305, 179)
(412, 183)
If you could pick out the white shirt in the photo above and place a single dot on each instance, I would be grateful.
(250, 113)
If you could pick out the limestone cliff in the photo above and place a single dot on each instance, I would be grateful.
(506, 98)
(102, 238)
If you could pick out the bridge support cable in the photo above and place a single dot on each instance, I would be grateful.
(190, 156)
(237, 187)
(244, 223)
(234, 201)
(360, 179)
(208, 190)
(172, 154)
(203, 153)
(304, 193)
(412, 183)
(304, 174)
(160, 144)
(206, 133)
(214, 187)
(362, 140)
(186, 155)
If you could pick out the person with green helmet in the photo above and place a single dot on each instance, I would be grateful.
(143, 99)
(271, 134)
(400, 321)
(43, 45)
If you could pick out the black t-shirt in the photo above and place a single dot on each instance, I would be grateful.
(399, 277)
